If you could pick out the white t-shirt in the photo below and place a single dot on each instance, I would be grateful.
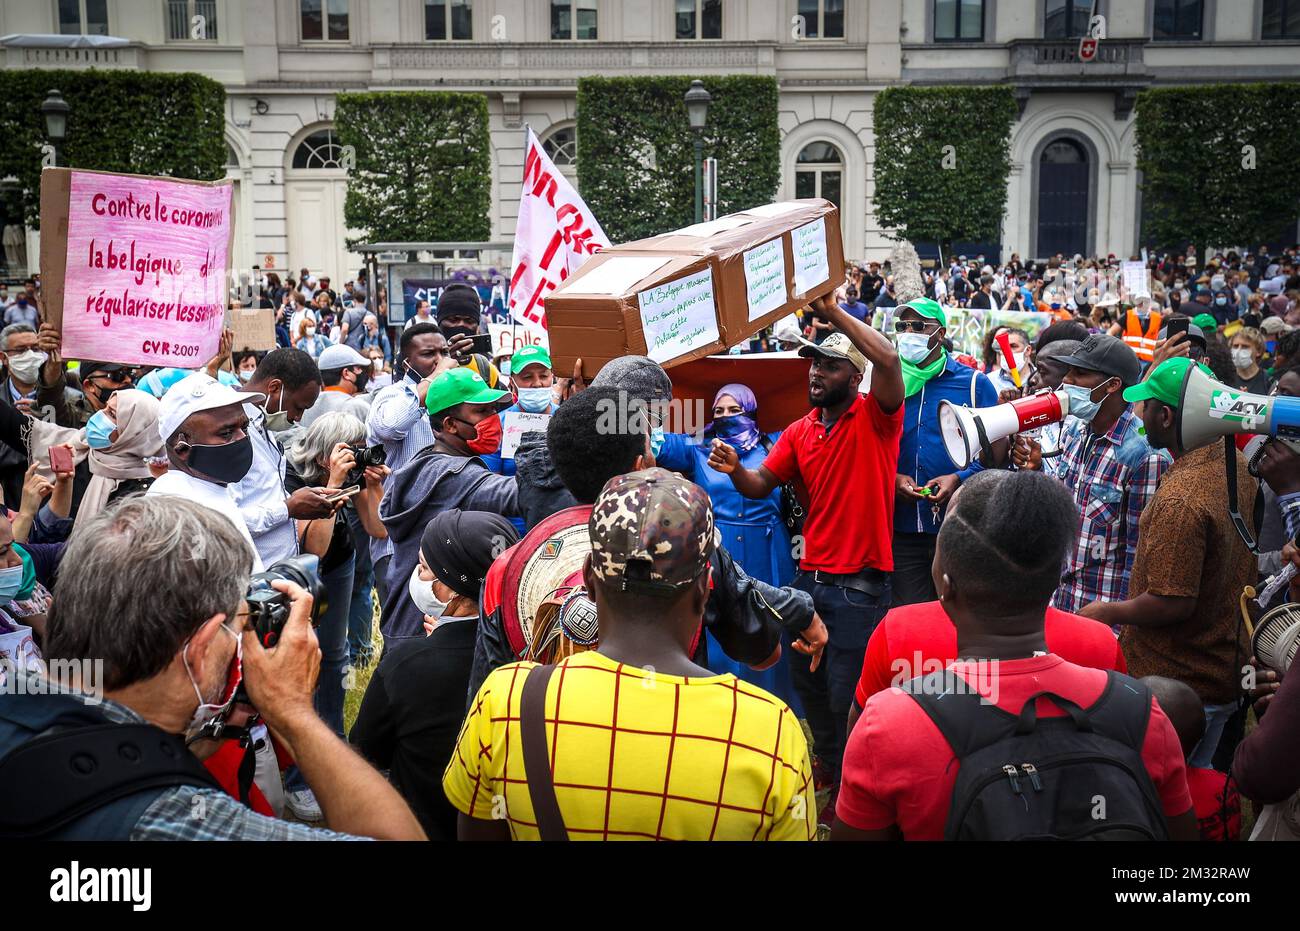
(210, 495)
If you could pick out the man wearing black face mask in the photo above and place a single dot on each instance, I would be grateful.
(344, 373)
(287, 383)
(205, 430)
(99, 382)
(460, 313)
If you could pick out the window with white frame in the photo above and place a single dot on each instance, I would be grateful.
(821, 19)
(573, 19)
(561, 147)
(1281, 19)
(324, 20)
(321, 149)
(959, 20)
(1177, 19)
(698, 19)
(83, 17)
(191, 20)
(448, 19)
(819, 172)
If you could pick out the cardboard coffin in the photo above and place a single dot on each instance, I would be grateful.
(695, 291)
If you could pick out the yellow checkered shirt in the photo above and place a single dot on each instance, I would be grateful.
(638, 755)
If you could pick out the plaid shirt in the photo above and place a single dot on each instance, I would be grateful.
(1112, 477)
(1290, 507)
(194, 813)
(639, 755)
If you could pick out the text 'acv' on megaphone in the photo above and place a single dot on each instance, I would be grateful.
(1210, 409)
(966, 431)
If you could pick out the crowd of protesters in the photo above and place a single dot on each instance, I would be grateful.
(619, 633)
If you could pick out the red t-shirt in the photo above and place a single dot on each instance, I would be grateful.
(1218, 804)
(918, 639)
(849, 476)
(898, 769)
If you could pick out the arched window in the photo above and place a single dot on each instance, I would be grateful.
(1064, 152)
(321, 149)
(819, 172)
(232, 159)
(562, 147)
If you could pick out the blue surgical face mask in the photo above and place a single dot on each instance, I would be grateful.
(913, 347)
(535, 400)
(656, 440)
(1221, 301)
(98, 430)
(1082, 405)
(11, 580)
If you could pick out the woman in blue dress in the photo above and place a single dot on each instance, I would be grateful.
(753, 531)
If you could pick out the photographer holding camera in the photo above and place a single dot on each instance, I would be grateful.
(329, 455)
(170, 660)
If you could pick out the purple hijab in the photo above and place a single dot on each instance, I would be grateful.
(740, 431)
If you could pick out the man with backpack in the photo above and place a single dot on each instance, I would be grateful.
(1011, 741)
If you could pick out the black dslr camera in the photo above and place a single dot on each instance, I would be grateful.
(366, 456)
(268, 609)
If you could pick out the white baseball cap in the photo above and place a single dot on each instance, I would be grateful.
(195, 393)
(340, 356)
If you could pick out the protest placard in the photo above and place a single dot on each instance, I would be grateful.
(134, 268)
(254, 328)
(508, 339)
(514, 425)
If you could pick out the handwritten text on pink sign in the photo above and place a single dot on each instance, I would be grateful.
(146, 273)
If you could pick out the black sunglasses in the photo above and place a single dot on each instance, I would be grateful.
(914, 326)
(117, 378)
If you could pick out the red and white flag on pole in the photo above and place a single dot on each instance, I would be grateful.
(554, 235)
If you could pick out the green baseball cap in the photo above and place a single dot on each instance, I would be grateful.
(926, 308)
(460, 386)
(1164, 383)
(529, 355)
(1206, 322)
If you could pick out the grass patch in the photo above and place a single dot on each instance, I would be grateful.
(361, 676)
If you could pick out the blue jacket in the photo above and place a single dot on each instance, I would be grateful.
(921, 452)
(752, 530)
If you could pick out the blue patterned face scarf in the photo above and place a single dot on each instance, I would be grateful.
(738, 430)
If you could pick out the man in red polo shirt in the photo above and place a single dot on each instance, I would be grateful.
(914, 640)
(997, 562)
(845, 454)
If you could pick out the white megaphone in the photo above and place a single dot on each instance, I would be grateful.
(1209, 409)
(966, 431)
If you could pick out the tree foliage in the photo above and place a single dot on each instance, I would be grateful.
(636, 162)
(422, 170)
(943, 155)
(138, 122)
(1218, 163)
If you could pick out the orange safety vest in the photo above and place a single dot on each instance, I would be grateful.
(1143, 344)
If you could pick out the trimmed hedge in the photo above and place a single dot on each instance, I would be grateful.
(622, 120)
(423, 169)
(138, 122)
(915, 193)
(1200, 182)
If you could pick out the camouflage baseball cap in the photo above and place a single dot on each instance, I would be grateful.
(651, 531)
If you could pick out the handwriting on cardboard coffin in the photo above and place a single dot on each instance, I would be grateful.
(678, 316)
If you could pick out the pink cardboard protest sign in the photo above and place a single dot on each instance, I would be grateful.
(143, 266)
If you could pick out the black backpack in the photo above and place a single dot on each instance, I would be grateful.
(1078, 777)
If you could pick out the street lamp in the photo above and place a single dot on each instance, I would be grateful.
(55, 111)
(697, 114)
